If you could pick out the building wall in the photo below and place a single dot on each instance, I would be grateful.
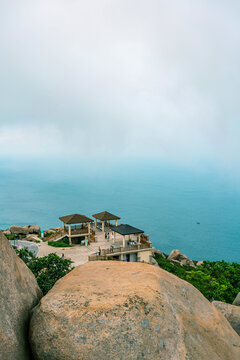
(145, 256)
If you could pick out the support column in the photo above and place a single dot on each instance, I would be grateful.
(89, 231)
(114, 237)
(116, 222)
(102, 226)
(139, 239)
(95, 222)
(63, 226)
(69, 234)
(124, 241)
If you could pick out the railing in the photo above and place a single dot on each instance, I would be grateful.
(74, 232)
(106, 253)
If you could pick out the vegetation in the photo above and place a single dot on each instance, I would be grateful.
(217, 280)
(60, 243)
(47, 269)
(14, 237)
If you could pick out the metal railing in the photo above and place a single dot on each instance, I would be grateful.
(106, 253)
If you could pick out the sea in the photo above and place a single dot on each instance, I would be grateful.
(194, 210)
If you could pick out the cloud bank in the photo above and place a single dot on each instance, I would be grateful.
(120, 78)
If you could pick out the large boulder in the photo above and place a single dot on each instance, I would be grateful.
(231, 313)
(19, 293)
(237, 300)
(174, 255)
(117, 310)
(18, 230)
(32, 229)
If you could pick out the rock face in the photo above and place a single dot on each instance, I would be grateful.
(237, 300)
(117, 310)
(19, 293)
(174, 254)
(18, 230)
(24, 230)
(231, 313)
(32, 229)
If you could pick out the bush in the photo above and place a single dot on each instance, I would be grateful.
(61, 243)
(217, 280)
(47, 269)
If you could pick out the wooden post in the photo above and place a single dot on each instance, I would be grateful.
(89, 228)
(114, 237)
(69, 234)
(95, 221)
(102, 226)
(124, 241)
(116, 222)
(139, 239)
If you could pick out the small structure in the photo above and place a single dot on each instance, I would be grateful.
(76, 231)
(136, 248)
(105, 217)
(126, 230)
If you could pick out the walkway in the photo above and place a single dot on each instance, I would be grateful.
(79, 254)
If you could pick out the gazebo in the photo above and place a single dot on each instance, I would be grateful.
(126, 230)
(105, 216)
(77, 219)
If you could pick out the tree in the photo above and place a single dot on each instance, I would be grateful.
(47, 269)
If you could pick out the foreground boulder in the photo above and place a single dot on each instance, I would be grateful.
(117, 310)
(231, 313)
(19, 293)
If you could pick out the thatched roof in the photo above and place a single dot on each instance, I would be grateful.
(125, 229)
(105, 216)
(75, 219)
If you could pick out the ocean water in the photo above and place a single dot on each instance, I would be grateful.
(196, 212)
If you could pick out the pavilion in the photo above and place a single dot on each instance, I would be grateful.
(105, 217)
(127, 230)
(76, 231)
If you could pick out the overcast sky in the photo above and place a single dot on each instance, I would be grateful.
(128, 78)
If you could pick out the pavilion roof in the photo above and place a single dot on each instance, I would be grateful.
(105, 215)
(125, 229)
(75, 219)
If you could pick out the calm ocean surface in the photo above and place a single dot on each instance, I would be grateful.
(166, 202)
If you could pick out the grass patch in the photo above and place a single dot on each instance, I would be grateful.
(61, 243)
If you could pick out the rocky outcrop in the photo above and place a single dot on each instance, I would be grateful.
(117, 310)
(231, 313)
(174, 255)
(52, 230)
(182, 259)
(24, 230)
(237, 300)
(19, 293)
(18, 230)
(32, 229)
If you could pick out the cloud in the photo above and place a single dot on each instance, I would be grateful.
(120, 78)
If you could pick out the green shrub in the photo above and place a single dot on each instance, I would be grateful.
(60, 243)
(47, 269)
(217, 280)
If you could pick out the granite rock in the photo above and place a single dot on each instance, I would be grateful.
(19, 293)
(108, 310)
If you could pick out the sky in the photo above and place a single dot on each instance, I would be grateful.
(128, 79)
